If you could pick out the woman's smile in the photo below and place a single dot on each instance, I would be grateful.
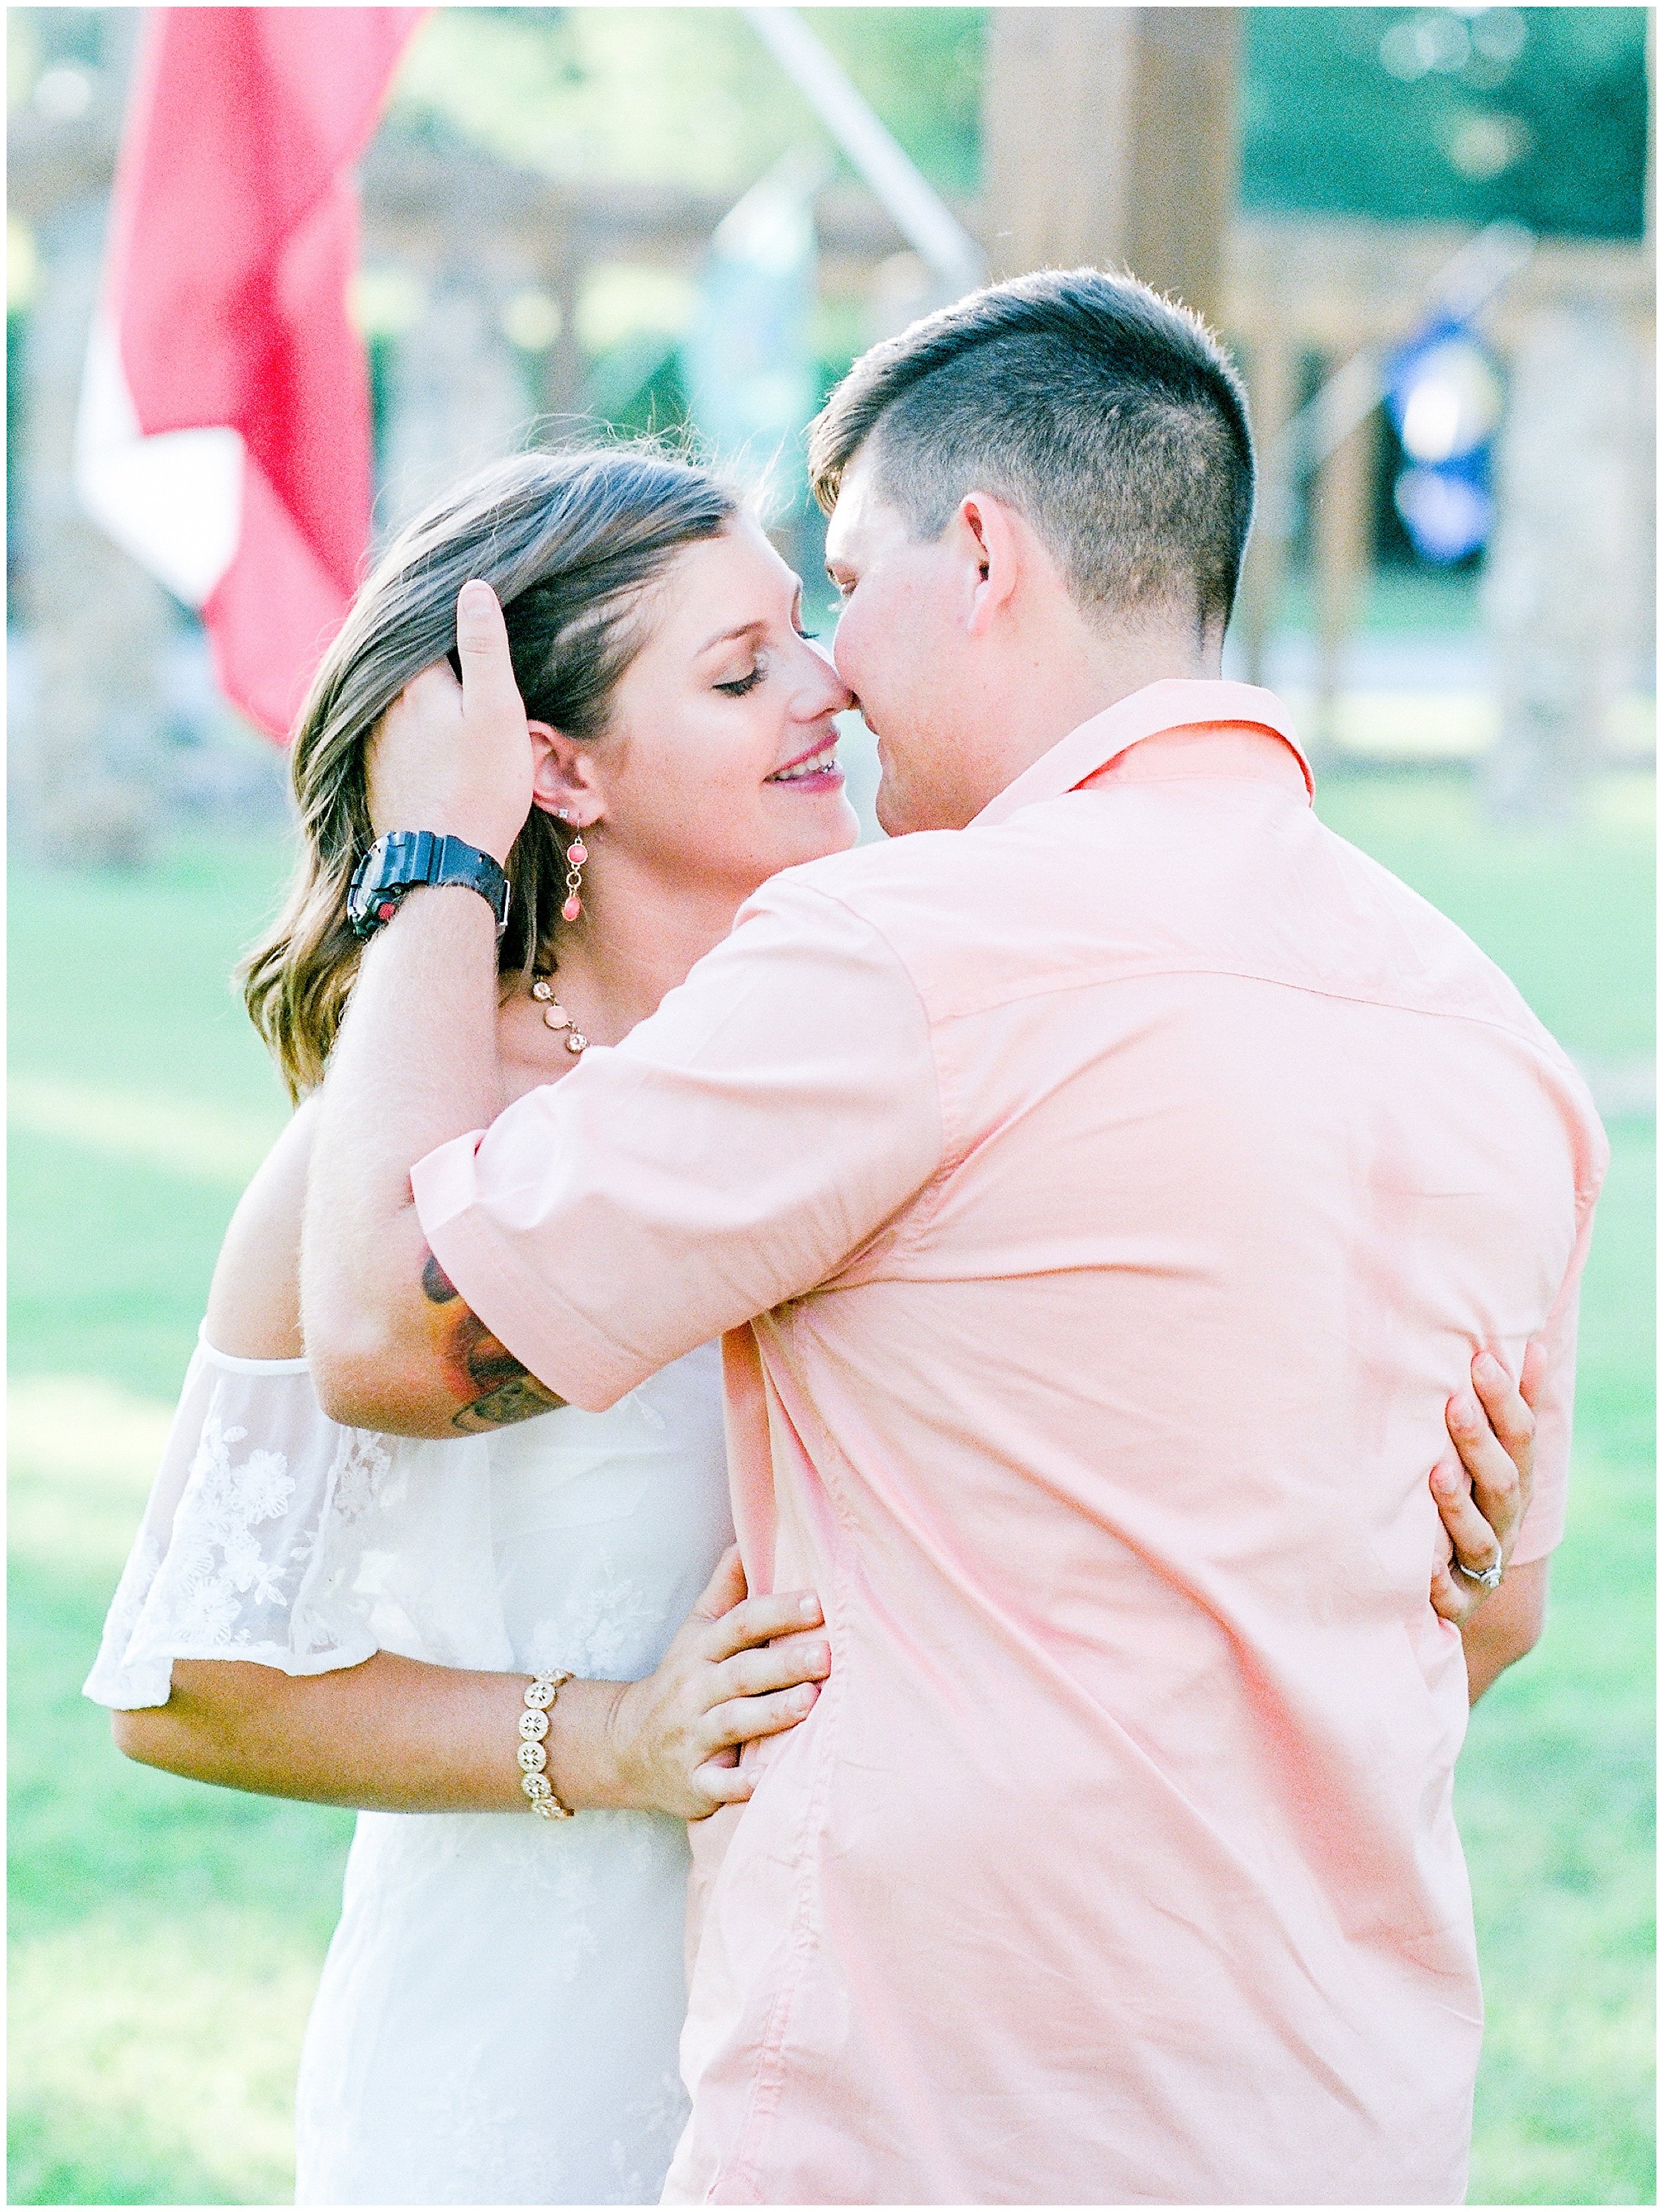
(817, 770)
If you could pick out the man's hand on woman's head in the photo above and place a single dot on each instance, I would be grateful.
(456, 758)
(1483, 1486)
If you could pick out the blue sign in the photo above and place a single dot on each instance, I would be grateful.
(1445, 396)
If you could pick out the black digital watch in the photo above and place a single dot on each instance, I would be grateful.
(397, 863)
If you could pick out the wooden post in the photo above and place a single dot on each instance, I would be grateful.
(562, 373)
(458, 399)
(88, 759)
(1055, 103)
(1273, 394)
(1110, 139)
(1560, 579)
(1341, 547)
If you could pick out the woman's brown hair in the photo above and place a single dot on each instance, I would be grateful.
(567, 542)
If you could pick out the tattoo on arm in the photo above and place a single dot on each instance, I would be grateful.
(495, 1386)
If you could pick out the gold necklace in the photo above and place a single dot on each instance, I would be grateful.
(555, 1016)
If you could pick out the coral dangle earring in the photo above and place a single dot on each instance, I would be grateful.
(576, 852)
(555, 1016)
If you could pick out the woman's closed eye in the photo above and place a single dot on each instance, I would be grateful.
(736, 687)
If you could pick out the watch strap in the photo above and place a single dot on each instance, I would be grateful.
(406, 858)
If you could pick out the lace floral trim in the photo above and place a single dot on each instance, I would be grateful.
(357, 1481)
(215, 1559)
(358, 1489)
(121, 1625)
(243, 1572)
(602, 1628)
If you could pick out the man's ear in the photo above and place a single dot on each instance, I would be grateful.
(563, 776)
(991, 543)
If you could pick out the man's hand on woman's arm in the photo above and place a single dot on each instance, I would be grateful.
(392, 1344)
(1483, 1488)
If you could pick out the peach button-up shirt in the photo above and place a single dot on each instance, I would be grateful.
(1099, 1203)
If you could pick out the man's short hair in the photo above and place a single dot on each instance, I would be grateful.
(1111, 419)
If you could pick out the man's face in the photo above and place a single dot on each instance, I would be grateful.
(903, 648)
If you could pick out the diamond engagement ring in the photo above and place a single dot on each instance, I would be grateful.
(1488, 1577)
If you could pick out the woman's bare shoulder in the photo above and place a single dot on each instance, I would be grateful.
(254, 1302)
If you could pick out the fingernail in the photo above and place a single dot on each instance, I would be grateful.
(1465, 1413)
(820, 1656)
(809, 1606)
(805, 1698)
(474, 597)
(1490, 1367)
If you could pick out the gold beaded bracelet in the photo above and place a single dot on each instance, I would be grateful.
(540, 1694)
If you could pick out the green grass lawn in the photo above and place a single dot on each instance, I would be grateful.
(166, 1937)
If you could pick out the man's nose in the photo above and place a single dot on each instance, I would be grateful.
(834, 694)
(847, 688)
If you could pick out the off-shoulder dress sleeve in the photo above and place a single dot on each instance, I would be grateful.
(246, 1549)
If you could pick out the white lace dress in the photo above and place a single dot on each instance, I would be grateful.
(497, 2019)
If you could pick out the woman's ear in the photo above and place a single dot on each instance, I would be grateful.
(563, 778)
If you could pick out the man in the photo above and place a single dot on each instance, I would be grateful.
(1109, 1188)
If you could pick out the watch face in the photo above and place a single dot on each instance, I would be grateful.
(408, 857)
(367, 904)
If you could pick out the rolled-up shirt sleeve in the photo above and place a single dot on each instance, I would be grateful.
(734, 1152)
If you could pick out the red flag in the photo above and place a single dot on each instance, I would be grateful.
(225, 432)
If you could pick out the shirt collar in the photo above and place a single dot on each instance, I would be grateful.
(1176, 702)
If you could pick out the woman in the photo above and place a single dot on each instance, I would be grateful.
(498, 2014)
(330, 1614)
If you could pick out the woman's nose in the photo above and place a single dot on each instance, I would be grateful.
(832, 695)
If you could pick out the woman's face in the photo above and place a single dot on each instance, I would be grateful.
(718, 764)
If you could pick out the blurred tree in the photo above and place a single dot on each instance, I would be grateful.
(1406, 113)
(1409, 114)
(921, 67)
(41, 38)
(684, 95)
(1449, 115)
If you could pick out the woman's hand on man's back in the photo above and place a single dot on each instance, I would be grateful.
(740, 1667)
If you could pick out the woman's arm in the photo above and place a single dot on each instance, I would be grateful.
(255, 1299)
(1507, 1627)
(399, 1736)
(1483, 1493)
(393, 1733)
